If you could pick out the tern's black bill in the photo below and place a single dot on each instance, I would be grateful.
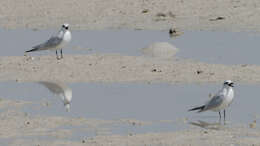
(231, 84)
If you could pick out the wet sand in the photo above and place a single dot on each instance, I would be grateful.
(118, 68)
(196, 137)
(21, 128)
(135, 14)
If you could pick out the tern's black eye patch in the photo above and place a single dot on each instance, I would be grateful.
(231, 84)
(65, 26)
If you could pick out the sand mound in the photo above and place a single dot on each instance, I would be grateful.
(161, 50)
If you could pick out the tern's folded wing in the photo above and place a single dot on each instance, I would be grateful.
(215, 102)
(51, 43)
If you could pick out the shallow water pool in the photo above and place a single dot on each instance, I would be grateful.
(206, 46)
(164, 105)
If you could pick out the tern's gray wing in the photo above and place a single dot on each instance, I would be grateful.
(214, 102)
(53, 42)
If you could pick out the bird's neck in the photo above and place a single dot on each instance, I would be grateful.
(61, 33)
(228, 89)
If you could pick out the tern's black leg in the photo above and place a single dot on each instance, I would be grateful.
(61, 53)
(57, 56)
(224, 115)
(219, 115)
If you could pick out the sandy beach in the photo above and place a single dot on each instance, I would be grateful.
(135, 14)
(118, 68)
(183, 15)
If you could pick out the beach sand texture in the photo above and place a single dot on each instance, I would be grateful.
(214, 15)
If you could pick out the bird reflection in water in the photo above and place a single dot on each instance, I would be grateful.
(61, 90)
(207, 125)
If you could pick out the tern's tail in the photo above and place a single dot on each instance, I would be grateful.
(200, 108)
(34, 49)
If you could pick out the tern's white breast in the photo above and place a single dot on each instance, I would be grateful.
(66, 39)
(230, 96)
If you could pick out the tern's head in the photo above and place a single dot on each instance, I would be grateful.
(65, 26)
(228, 83)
